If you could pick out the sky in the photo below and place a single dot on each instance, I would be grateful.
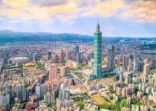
(117, 18)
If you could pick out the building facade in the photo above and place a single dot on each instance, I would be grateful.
(111, 57)
(53, 72)
(98, 52)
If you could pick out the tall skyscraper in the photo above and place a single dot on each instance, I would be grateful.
(125, 61)
(49, 55)
(76, 51)
(62, 57)
(40, 90)
(9, 90)
(35, 57)
(130, 65)
(63, 94)
(78, 58)
(67, 54)
(77, 54)
(21, 92)
(98, 52)
(135, 64)
(111, 57)
(146, 70)
(53, 72)
(4, 99)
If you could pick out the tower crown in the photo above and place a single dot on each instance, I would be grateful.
(97, 27)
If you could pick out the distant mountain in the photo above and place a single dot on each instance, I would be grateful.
(8, 36)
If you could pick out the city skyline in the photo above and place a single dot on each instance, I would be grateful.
(60, 55)
(70, 72)
(118, 18)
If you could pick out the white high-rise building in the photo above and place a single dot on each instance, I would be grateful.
(146, 70)
(21, 92)
(135, 64)
(40, 90)
(4, 99)
(48, 98)
(64, 94)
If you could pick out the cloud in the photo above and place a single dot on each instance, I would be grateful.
(26, 10)
(106, 8)
(45, 9)
(15, 3)
(48, 3)
(144, 11)
(65, 10)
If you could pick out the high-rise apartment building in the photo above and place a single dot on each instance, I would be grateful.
(53, 72)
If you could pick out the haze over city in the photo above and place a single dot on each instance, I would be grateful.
(118, 18)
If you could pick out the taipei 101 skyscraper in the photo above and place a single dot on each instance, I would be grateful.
(98, 52)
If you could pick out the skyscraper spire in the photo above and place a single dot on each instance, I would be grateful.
(98, 27)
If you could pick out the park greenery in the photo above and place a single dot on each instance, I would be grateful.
(136, 102)
(124, 104)
(114, 107)
(120, 98)
(109, 74)
(39, 65)
(79, 101)
(153, 71)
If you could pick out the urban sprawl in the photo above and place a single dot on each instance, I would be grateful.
(59, 76)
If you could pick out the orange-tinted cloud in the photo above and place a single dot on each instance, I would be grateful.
(26, 10)
(139, 10)
(142, 10)
(106, 8)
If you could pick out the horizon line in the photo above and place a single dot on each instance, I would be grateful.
(148, 36)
